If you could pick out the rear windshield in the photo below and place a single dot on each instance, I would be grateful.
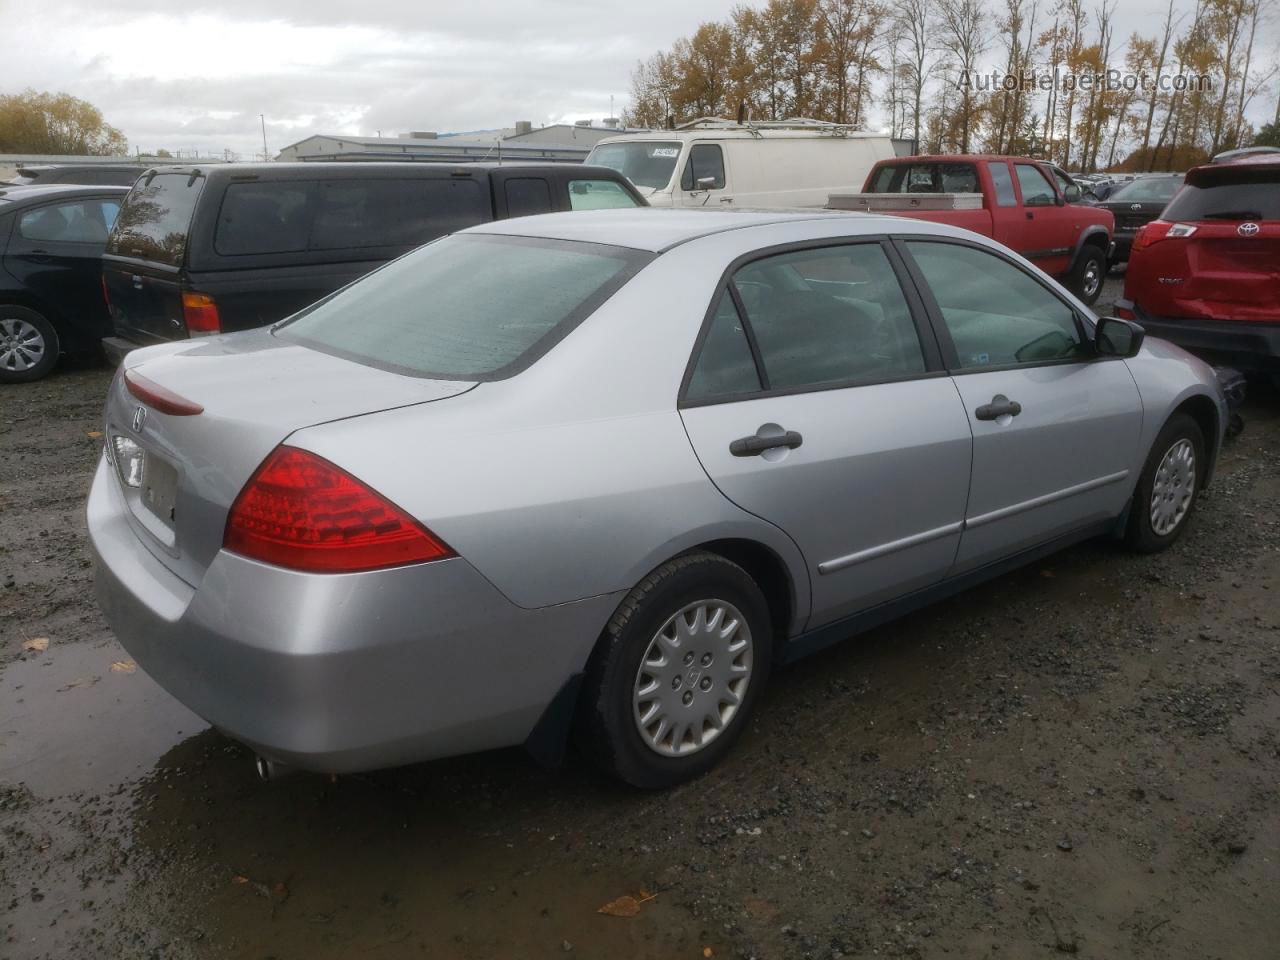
(155, 218)
(1238, 195)
(926, 178)
(1148, 190)
(467, 307)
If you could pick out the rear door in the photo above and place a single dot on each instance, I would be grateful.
(816, 401)
(143, 264)
(1054, 427)
(55, 251)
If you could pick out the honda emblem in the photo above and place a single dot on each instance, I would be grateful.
(1248, 229)
(139, 418)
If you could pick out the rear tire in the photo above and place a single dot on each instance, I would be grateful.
(672, 683)
(1167, 490)
(28, 345)
(1088, 274)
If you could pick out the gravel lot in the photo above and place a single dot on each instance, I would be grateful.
(1079, 758)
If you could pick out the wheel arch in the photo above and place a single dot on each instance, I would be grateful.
(1204, 412)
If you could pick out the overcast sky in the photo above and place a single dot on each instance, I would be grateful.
(197, 74)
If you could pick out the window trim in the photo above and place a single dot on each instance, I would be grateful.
(930, 347)
(951, 357)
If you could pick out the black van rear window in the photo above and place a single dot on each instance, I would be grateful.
(155, 218)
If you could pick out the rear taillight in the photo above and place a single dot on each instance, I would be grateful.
(302, 512)
(1125, 313)
(200, 313)
(1158, 230)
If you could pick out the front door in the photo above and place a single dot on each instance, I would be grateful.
(704, 181)
(1054, 426)
(816, 404)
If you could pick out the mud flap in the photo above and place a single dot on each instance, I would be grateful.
(549, 739)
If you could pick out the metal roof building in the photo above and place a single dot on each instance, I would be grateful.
(563, 142)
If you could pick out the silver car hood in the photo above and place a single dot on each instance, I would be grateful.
(256, 390)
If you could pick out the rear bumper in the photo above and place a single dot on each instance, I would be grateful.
(1252, 346)
(339, 673)
(116, 347)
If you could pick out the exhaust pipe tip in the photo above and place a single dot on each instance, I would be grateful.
(270, 770)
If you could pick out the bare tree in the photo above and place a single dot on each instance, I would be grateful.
(915, 18)
(962, 35)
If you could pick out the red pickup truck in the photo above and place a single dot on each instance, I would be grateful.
(1028, 205)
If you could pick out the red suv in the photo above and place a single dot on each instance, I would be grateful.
(1206, 274)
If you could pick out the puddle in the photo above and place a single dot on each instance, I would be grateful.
(70, 723)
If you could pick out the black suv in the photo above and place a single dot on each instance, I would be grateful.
(51, 241)
(210, 249)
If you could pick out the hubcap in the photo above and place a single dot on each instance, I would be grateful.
(21, 344)
(692, 678)
(1174, 485)
(1092, 277)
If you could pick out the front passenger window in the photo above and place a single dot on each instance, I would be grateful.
(705, 169)
(996, 314)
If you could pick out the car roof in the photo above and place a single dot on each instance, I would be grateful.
(656, 229)
(34, 192)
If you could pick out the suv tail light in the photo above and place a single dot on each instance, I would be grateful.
(302, 512)
(200, 313)
(1158, 230)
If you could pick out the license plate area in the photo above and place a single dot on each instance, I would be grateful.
(159, 492)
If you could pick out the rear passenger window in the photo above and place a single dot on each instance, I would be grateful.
(834, 315)
(265, 217)
(85, 221)
(996, 314)
(598, 195)
(725, 366)
(1003, 182)
(526, 196)
(394, 213)
(705, 169)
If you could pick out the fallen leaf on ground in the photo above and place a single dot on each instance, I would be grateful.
(123, 666)
(95, 434)
(708, 952)
(36, 645)
(626, 905)
(79, 682)
(239, 879)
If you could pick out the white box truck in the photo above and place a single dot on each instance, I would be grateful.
(714, 163)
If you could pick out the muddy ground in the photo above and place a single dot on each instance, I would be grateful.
(1080, 758)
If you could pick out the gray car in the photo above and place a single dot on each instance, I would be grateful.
(597, 473)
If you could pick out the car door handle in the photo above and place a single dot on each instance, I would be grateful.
(999, 406)
(755, 445)
(726, 199)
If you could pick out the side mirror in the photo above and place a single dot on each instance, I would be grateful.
(1072, 193)
(1114, 337)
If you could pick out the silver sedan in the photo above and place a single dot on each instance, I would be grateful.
(595, 474)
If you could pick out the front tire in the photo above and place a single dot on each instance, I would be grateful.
(1167, 489)
(1088, 274)
(677, 672)
(28, 345)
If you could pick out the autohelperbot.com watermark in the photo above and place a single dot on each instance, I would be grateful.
(1107, 81)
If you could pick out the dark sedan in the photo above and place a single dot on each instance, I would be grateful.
(1137, 203)
(51, 303)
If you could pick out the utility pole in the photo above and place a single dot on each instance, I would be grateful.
(265, 155)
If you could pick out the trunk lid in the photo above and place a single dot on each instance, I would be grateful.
(255, 390)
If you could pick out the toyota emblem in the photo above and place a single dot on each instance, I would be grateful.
(139, 418)
(1248, 229)
(1135, 206)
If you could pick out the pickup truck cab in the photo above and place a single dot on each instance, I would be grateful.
(1030, 206)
